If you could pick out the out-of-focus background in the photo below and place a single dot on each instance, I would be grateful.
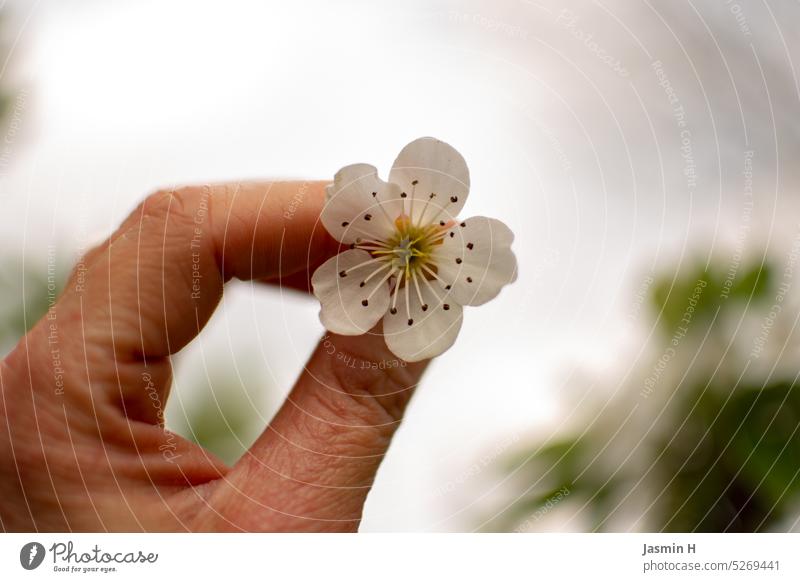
(642, 372)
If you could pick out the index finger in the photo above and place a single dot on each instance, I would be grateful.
(151, 288)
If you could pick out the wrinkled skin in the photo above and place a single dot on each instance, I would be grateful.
(82, 443)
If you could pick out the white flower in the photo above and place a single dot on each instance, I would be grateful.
(411, 261)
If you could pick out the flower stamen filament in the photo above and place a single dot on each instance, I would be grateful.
(376, 271)
(381, 282)
(359, 265)
(408, 304)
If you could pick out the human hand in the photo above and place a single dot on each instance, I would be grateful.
(82, 442)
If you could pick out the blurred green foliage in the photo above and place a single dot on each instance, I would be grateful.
(225, 412)
(668, 298)
(742, 472)
(729, 457)
(25, 298)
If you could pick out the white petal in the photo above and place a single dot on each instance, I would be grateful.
(476, 259)
(431, 332)
(341, 297)
(437, 168)
(360, 205)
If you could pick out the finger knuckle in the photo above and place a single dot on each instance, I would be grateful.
(174, 205)
(380, 393)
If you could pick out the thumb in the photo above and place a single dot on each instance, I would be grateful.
(313, 467)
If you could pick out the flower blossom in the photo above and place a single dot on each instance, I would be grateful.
(411, 260)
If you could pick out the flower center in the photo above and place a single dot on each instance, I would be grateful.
(411, 246)
(405, 252)
(407, 256)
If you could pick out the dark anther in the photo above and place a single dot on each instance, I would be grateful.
(365, 303)
(449, 287)
(403, 194)
(469, 279)
(452, 234)
(441, 223)
(432, 196)
(454, 199)
(463, 224)
(345, 223)
(414, 182)
(458, 261)
(374, 194)
(393, 310)
(424, 307)
(343, 273)
(367, 217)
(446, 307)
(410, 322)
(362, 283)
